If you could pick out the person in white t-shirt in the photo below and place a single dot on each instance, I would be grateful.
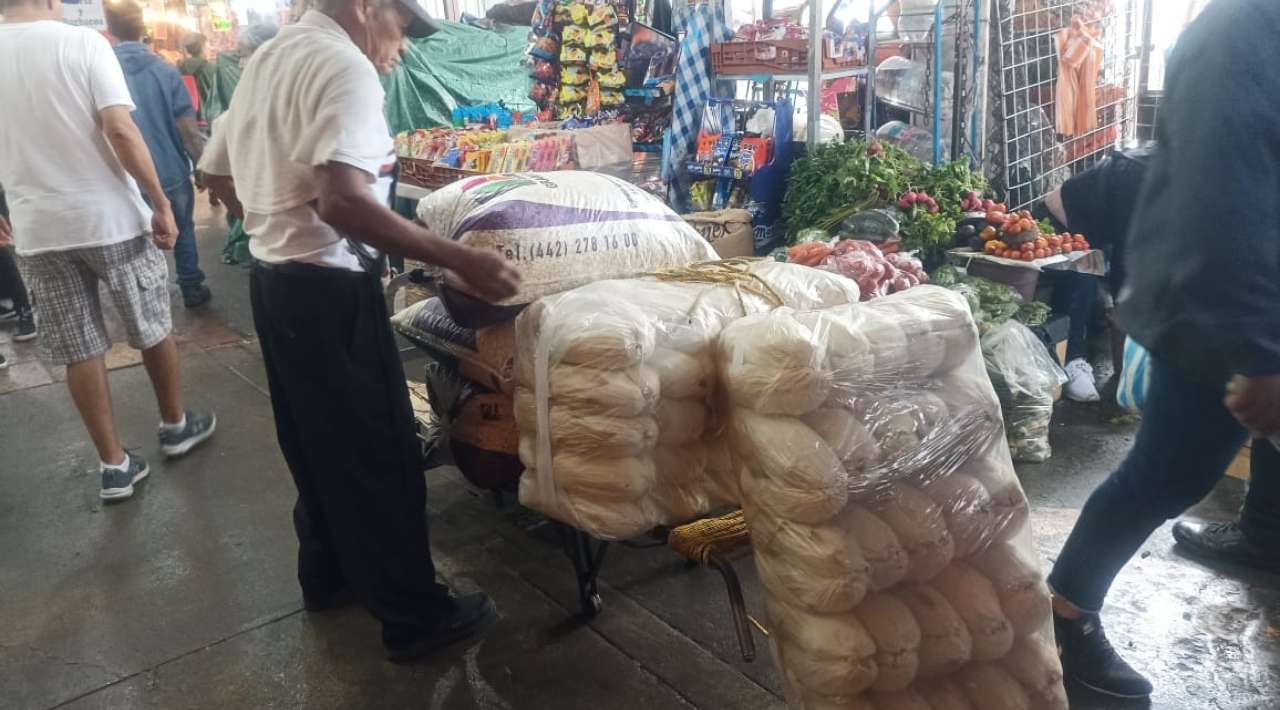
(69, 158)
(310, 156)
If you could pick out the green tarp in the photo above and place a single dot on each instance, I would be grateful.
(226, 75)
(457, 66)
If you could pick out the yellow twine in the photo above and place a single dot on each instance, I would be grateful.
(730, 272)
(697, 540)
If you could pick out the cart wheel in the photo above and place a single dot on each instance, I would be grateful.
(592, 606)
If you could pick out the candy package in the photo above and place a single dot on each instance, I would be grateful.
(611, 97)
(601, 38)
(576, 36)
(603, 16)
(570, 94)
(545, 48)
(541, 93)
(573, 55)
(578, 13)
(615, 79)
(544, 70)
(575, 76)
(604, 59)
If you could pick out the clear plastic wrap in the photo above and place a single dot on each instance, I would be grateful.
(888, 525)
(616, 387)
(1027, 380)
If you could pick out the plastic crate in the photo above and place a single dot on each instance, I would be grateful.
(770, 56)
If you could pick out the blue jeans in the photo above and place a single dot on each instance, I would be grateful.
(1075, 294)
(185, 257)
(1184, 445)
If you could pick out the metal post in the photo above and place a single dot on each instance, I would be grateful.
(978, 121)
(937, 83)
(815, 71)
(869, 97)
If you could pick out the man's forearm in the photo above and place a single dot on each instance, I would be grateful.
(368, 221)
(131, 151)
(192, 139)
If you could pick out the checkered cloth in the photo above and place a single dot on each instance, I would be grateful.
(706, 24)
(64, 288)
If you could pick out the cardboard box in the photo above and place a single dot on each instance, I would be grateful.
(728, 231)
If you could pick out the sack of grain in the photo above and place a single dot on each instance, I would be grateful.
(474, 427)
(560, 230)
(622, 371)
(889, 401)
(484, 356)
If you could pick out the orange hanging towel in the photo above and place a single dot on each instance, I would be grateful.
(1079, 59)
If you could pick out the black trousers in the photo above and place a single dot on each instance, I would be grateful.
(345, 428)
(11, 285)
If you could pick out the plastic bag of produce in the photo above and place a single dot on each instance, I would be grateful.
(560, 230)
(888, 525)
(615, 399)
(1134, 376)
(1026, 377)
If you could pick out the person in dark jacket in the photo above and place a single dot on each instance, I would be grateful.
(1202, 294)
(1098, 203)
(167, 120)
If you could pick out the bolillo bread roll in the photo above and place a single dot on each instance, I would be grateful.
(990, 687)
(897, 637)
(944, 694)
(945, 644)
(1024, 596)
(974, 599)
(879, 545)
(1034, 663)
(681, 421)
(920, 528)
(794, 474)
(899, 700)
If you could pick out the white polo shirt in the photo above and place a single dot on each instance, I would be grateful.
(64, 185)
(308, 97)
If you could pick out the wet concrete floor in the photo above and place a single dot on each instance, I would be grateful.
(185, 596)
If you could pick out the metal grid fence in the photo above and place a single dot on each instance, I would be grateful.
(1027, 156)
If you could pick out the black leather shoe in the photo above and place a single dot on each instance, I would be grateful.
(1223, 542)
(1089, 659)
(472, 615)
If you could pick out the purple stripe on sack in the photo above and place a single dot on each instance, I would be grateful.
(523, 214)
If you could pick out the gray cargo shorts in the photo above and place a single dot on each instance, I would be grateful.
(64, 289)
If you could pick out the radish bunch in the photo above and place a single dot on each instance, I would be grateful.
(876, 273)
(911, 199)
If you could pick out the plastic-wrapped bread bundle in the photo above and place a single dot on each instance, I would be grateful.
(616, 399)
(877, 486)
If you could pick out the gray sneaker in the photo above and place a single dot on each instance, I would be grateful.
(200, 426)
(117, 483)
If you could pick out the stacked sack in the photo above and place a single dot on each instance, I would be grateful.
(615, 385)
(559, 230)
(888, 526)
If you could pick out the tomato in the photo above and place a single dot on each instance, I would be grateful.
(994, 217)
(1067, 248)
(1000, 207)
(1026, 246)
(1041, 253)
(1028, 256)
(1042, 243)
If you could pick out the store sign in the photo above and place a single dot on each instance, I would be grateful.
(84, 13)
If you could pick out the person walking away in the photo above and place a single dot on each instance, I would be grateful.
(1098, 203)
(306, 148)
(196, 66)
(71, 159)
(12, 287)
(1209, 315)
(168, 124)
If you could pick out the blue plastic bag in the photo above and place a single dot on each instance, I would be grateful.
(1134, 376)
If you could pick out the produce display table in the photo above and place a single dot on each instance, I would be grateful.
(1024, 276)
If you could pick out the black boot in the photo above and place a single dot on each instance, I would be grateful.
(469, 615)
(1223, 542)
(1089, 659)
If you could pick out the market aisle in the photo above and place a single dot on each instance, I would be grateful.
(185, 596)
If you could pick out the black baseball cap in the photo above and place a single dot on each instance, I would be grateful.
(422, 25)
